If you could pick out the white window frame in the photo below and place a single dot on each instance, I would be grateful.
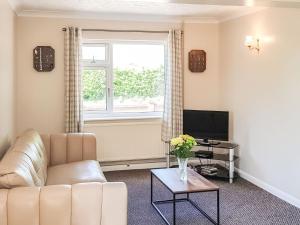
(97, 63)
(108, 114)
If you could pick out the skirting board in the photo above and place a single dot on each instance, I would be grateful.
(134, 166)
(274, 191)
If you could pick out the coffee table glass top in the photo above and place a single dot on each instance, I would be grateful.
(195, 182)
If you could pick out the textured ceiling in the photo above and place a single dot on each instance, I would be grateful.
(144, 7)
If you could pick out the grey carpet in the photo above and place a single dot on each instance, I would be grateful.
(242, 203)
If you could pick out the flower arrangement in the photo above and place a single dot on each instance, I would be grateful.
(182, 146)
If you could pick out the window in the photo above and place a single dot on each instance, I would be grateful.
(123, 79)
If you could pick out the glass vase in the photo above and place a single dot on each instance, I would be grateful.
(182, 163)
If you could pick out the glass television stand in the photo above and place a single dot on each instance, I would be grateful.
(215, 160)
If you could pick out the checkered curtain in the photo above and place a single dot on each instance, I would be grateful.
(173, 106)
(73, 96)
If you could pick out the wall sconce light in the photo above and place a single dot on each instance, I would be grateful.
(252, 43)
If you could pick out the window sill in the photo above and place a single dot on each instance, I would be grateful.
(122, 118)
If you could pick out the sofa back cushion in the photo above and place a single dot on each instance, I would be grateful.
(25, 163)
(16, 170)
(31, 144)
(71, 147)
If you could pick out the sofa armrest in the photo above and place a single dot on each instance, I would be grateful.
(78, 204)
(114, 204)
(72, 147)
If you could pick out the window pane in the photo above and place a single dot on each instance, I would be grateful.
(138, 77)
(94, 89)
(93, 53)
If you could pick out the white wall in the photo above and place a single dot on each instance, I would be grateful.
(201, 90)
(40, 96)
(7, 74)
(262, 92)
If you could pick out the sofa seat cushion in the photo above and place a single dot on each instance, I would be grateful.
(75, 172)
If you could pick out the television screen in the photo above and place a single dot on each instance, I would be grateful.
(200, 124)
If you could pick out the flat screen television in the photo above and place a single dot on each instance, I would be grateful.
(211, 125)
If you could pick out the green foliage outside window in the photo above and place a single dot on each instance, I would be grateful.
(128, 83)
(94, 83)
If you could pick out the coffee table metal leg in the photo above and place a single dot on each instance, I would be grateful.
(154, 203)
(218, 207)
(174, 200)
(174, 209)
(151, 187)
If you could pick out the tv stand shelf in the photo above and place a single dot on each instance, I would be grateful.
(223, 172)
(224, 162)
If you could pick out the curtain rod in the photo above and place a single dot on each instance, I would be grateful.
(131, 31)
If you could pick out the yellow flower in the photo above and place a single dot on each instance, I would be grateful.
(177, 141)
(185, 137)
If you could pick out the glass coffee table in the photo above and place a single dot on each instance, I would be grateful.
(195, 184)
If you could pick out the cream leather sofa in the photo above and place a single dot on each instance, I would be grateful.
(56, 180)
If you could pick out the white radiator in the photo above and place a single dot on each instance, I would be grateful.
(127, 140)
